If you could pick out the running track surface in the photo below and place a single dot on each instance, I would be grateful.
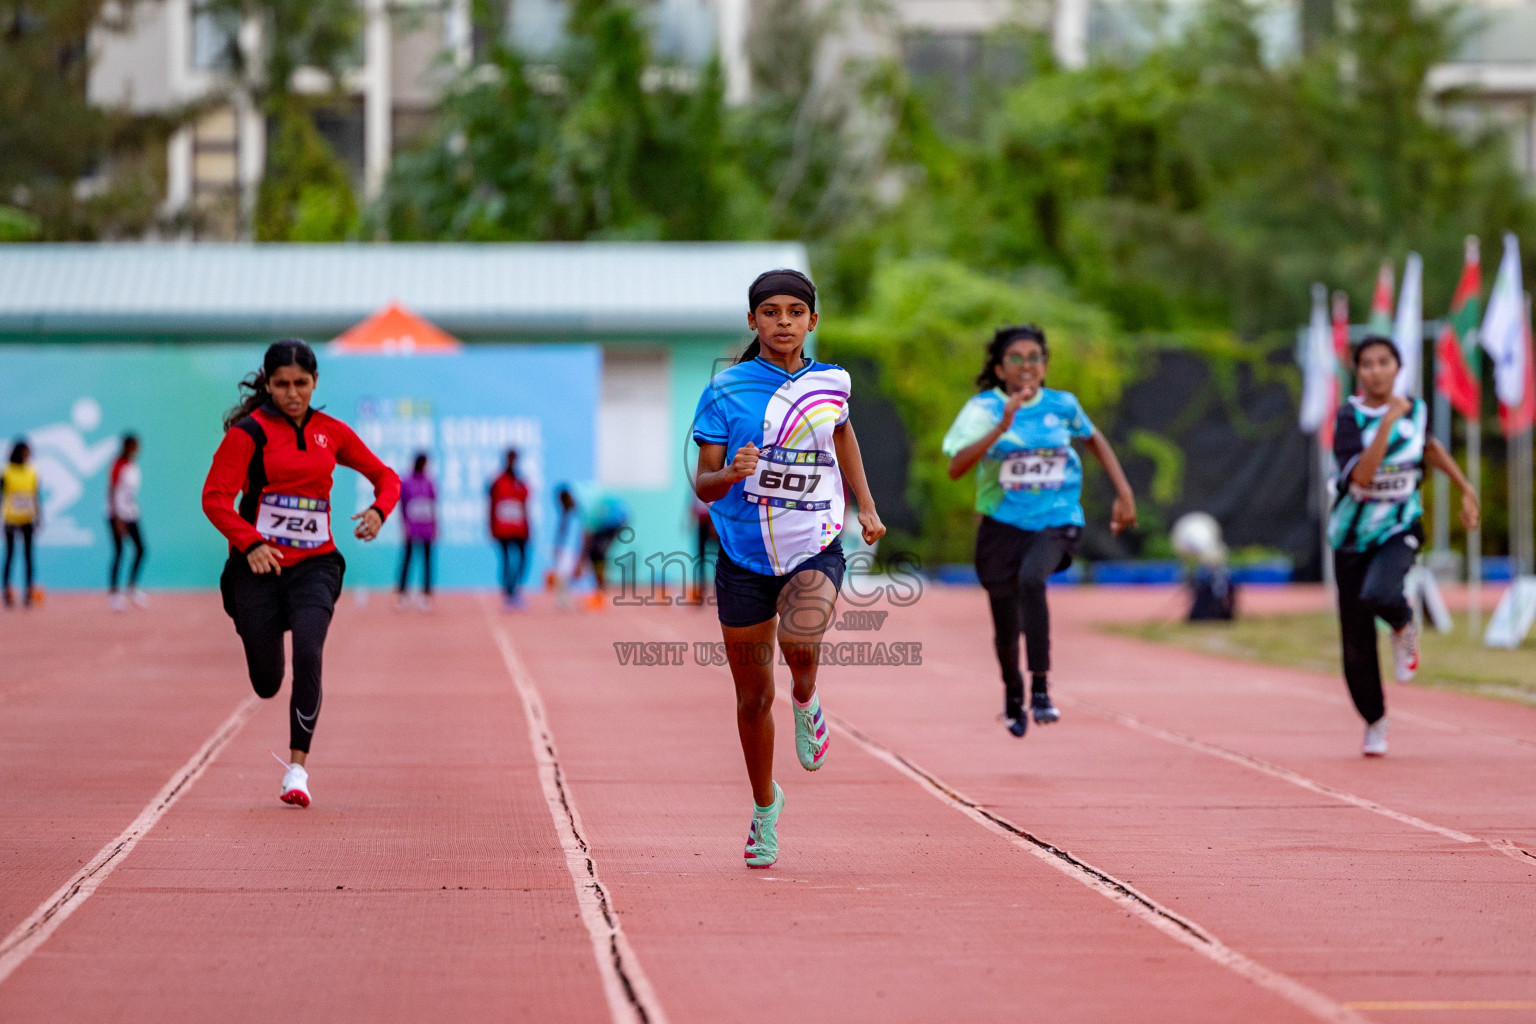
(1233, 858)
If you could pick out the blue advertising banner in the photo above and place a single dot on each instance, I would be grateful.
(464, 410)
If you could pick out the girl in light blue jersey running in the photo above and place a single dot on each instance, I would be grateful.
(1018, 435)
(775, 446)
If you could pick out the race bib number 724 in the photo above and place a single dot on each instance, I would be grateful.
(294, 522)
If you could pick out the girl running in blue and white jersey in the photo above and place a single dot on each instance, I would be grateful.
(1018, 434)
(775, 446)
(1381, 443)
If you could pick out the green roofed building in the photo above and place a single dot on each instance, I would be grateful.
(612, 341)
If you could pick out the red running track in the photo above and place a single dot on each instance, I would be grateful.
(511, 825)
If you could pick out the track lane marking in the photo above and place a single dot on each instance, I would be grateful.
(26, 937)
(1444, 1004)
(628, 991)
(1295, 778)
(1177, 927)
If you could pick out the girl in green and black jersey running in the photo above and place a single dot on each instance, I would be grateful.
(1382, 445)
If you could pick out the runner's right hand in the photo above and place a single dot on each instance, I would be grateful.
(1015, 400)
(745, 462)
(265, 559)
(1399, 406)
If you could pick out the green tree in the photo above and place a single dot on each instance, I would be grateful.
(306, 193)
(69, 169)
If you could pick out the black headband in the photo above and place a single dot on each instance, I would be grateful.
(782, 282)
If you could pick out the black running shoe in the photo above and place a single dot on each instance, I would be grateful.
(1045, 712)
(1018, 726)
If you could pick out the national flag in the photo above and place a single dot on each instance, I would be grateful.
(1408, 330)
(1456, 375)
(1503, 331)
(1341, 362)
(1518, 419)
(1318, 393)
(1381, 302)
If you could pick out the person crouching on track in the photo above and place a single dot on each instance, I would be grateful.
(775, 444)
(1381, 445)
(1018, 434)
(284, 572)
(591, 519)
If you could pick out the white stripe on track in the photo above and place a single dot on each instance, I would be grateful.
(1176, 927)
(45, 920)
(630, 996)
(1275, 771)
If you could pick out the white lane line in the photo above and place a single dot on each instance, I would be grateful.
(1275, 771)
(629, 993)
(23, 941)
(1175, 926)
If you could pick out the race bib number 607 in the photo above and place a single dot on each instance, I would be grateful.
(793, 478)
(293, 521)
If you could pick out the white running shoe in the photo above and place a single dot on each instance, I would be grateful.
(138, 597)
(295, 786)
(1375, 744)
(424, 602)
(116, 603)
(1405, 652)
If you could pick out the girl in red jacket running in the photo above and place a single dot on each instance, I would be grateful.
(284, 572)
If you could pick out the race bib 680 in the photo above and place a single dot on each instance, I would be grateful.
(293, 521)
(1391, 483)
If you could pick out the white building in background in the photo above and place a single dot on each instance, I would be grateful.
(176, 54)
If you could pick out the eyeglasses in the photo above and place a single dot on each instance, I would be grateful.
(1030, 360)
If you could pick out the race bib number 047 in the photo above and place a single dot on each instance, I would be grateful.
(294, 522)
(1039, 469)
(793, 478)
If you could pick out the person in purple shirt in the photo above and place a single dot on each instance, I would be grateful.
(418, 505)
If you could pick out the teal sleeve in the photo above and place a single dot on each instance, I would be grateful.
(974, 423)
(1081, 425)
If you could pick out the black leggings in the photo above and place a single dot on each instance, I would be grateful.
(131, 531)
(1014, 565)
(1371, 587)
(301, 600)
(426, 564)
(25, 530)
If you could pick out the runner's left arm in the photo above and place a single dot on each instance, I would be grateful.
(1123, 514)
(1438, 458)
(851, 462)
(354, 454)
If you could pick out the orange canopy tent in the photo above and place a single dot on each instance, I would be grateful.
(395, 330)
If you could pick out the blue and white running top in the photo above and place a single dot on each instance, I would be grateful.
(1031, 478)
(792, 507)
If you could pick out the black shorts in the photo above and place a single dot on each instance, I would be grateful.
(598, 543)
(1001, 550)
(746, 598)
(255, 601)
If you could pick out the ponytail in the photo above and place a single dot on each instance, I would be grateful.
(751, 352)
(254, 394)
(288, 352)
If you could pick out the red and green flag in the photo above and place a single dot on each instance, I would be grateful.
(1456, 357)
(1381, 302)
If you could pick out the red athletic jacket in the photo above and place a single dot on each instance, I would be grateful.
(509, 508)
(283, 474)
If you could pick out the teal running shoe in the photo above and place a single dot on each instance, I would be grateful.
(763, 834)
(811, 735)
